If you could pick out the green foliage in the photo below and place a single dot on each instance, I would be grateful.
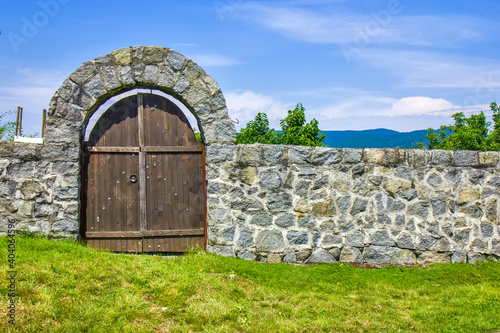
(467, 133)
(64, 286)
(294, 130)
(7, 128)
(493, 139)
(258, 130)
(197, 135)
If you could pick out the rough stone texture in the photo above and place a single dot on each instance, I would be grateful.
(140, 66)
(427, 258)
(375, 254)
(269, 240)
(320, 256)
(350, 254)
(363, 205)
(267, 202)
(39, 188)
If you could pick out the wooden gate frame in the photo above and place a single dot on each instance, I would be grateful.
(142, 150)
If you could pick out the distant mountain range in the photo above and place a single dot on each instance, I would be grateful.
(375, 138)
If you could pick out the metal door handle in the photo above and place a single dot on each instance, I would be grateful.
(133, 179)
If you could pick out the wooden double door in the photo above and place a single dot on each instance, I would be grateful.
(144, 179)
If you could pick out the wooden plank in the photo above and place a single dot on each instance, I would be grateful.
(142, 190)
(177, 233)
(104, 149)
(140, 118)
(172, 149)
(175, 244)
(148, 233)
(142, 165)
(114, 234)
(121, 117)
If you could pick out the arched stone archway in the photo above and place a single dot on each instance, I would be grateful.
(154, 67)
(96, 81)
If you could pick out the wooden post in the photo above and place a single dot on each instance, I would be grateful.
(44, 120)
(20, 122)
(17, 120)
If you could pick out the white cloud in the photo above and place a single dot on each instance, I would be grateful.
(387, 24)
(379, 106)
(419, 105)
(213, 60)
(245, 105)
(405, 114)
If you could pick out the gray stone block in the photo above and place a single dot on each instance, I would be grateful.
(269, 240)
(474, 257)
(245, 238)
(247, 255)
(381, 237)
(459, 257)
(343, 203)
(356, 239)
(353, 155)
(297, 238)
(434, 179)
(279, 202)
(249, 205)
(326, 156)
(438, 207)
(299, 154)
(285, 220)
(419, 209)
(320, 256)
(424, 242)
(351, 255)
(65, 226)
(331, 240)
(428, 258)
(358, 206)
(289, 256)
(222, 250)
(176, 60)
(262, 219)
(95, 87)
(226, 132)
(465, 158)
(487, 229)
(440, 157)
(270, 180)
(404, 241)
(375, 254)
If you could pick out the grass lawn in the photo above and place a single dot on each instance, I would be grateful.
(64, 286)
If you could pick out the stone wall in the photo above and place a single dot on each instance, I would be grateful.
(39, 188)
(266, 202)
(307, 204)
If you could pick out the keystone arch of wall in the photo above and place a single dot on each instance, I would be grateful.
(154, 67)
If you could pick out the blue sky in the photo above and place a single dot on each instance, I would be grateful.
(360, 64)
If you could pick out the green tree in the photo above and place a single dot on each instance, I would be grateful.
(493, 139)
(467, 133)
(7, 128)
(294, 130)
(257, 130)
